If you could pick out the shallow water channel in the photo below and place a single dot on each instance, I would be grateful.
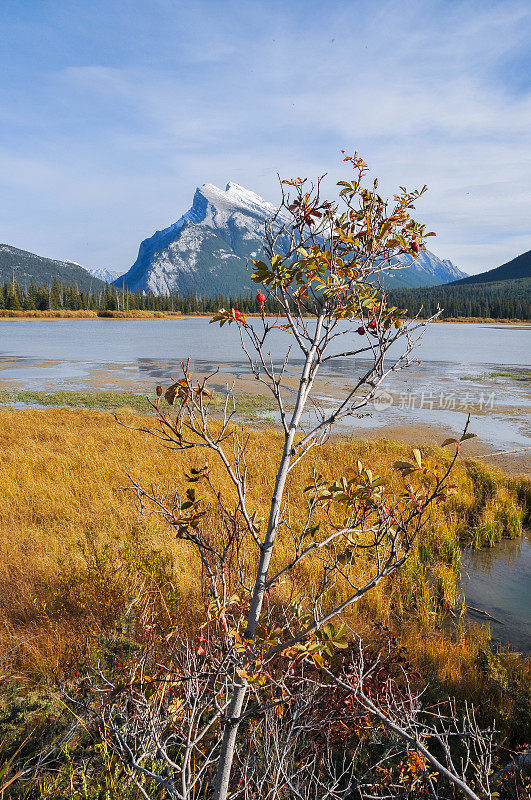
(496, 580)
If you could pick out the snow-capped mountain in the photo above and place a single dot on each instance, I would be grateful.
(426, 270)
(102, 274)
(209, 249)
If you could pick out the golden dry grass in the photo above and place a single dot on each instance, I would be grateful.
(73, 549)
(61, 313)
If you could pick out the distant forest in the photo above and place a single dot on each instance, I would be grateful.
(510, 299)
(61, 296)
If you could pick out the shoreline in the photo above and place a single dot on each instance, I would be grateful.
(421, 434)
(249, 408)
(139, 315)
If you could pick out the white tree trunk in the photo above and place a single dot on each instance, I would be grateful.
(230, 731)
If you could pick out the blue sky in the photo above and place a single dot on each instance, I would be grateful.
(111, 113)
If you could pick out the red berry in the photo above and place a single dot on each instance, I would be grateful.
(260, 297)
(415, 247)
(372, 324)
(361, 330)
(237, 314)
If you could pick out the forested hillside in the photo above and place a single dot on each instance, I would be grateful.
(498, 300)
(66, 297)
(519, 267)
(28, 267)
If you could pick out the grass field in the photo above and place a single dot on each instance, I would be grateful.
(137, 314)
(62, 510)
(74, 554)
(6, 313)
(247, 406)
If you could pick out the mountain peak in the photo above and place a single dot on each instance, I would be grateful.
(210, 249)
(232, 199)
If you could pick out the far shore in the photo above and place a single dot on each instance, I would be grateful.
(82, 314)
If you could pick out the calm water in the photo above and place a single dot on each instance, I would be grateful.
(116, 341)
(454, 377)
(497, 580)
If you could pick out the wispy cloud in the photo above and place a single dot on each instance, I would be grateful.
(106, 143)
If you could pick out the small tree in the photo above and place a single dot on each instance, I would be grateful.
(261, 657)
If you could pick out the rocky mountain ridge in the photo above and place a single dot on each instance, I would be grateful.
(209, 249)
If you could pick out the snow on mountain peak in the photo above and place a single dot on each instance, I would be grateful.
(211, 248)
(236, 197)
(105, 275)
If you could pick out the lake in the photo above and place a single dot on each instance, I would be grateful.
(457, 373)
(125, 341)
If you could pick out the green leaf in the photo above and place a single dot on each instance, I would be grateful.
(328, 630)
(342, 630)
(449, 441)
(261, 265)
(467, 436)
(317, 659)
(402, 465)
(341, 644)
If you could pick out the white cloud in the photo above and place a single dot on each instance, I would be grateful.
(421, 88)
